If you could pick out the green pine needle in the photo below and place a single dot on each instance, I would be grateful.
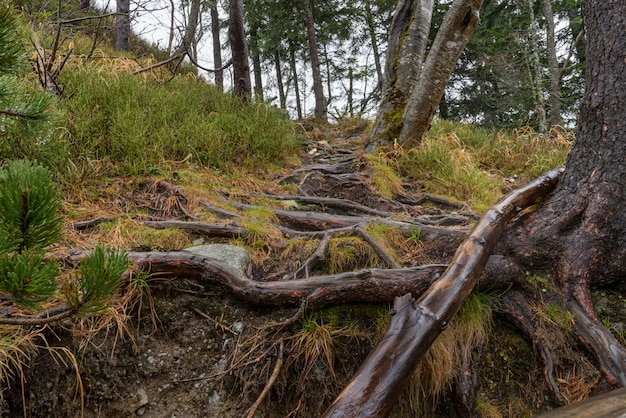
(100, 279)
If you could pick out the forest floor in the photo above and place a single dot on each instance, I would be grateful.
(194, 349)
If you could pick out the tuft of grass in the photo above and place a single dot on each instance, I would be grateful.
(348, 253)
(442, 363)
(384, 177)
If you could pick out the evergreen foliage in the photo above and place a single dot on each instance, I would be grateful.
(25, 119)
(28, 225)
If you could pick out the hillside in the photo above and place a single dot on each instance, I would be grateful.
(155, 163)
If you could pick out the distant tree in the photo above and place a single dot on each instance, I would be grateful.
(318, 89)
(122, 25)
(242, 86)
(217, 45)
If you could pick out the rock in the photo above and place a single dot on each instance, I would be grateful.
(237, 257)
(143, 397)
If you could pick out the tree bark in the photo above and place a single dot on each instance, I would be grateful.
(318, 88)
(279, 80)
(534, 72)
(456, 29)
(581, 228)
(294, 73)
(371, 31)
(242, 86)
(406, 47)
(122, 25)
(217, 46)
(414, 326)
(256, 63)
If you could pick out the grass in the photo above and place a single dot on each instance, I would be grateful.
(470, 164)
(442, 363)
(144, 127)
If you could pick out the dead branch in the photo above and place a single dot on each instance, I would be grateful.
(279, 363)
(380, 380)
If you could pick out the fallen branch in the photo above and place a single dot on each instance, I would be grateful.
(414, 326)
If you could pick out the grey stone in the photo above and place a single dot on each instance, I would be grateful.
(237, 257)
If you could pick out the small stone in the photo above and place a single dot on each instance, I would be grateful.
(150, 359)
(214, 398)
(238, 327)
(143, 397)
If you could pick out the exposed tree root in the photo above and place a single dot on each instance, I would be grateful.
(378, 383)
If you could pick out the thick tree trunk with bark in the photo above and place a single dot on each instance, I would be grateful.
(406, 48)
(413, 87)
(242, 86)
(582, 228)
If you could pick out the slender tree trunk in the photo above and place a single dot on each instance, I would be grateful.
(170, 39)
(350, 90)
(371, 30)
(191, 29)
(85, 4)
(242, 86)
(457, 27)
(279, 80)
(535, 70)
(256, 63)
(217, 46)
(328, 79)
(122, 25)
(554, 99)
(294, 73)
(318, 89)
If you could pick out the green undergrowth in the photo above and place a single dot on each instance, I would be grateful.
(139, 126)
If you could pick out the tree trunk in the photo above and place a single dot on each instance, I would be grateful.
(217, 46)
(371, 30)
(170, 39)
(407, 41)
(318, 88)
(456, 29)
(554, 99)
(581, 228)
(122, 25)
(279, 80)
(256, 63)
(242, 86)
(294, 73)
(85, 4)
(535, 72)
